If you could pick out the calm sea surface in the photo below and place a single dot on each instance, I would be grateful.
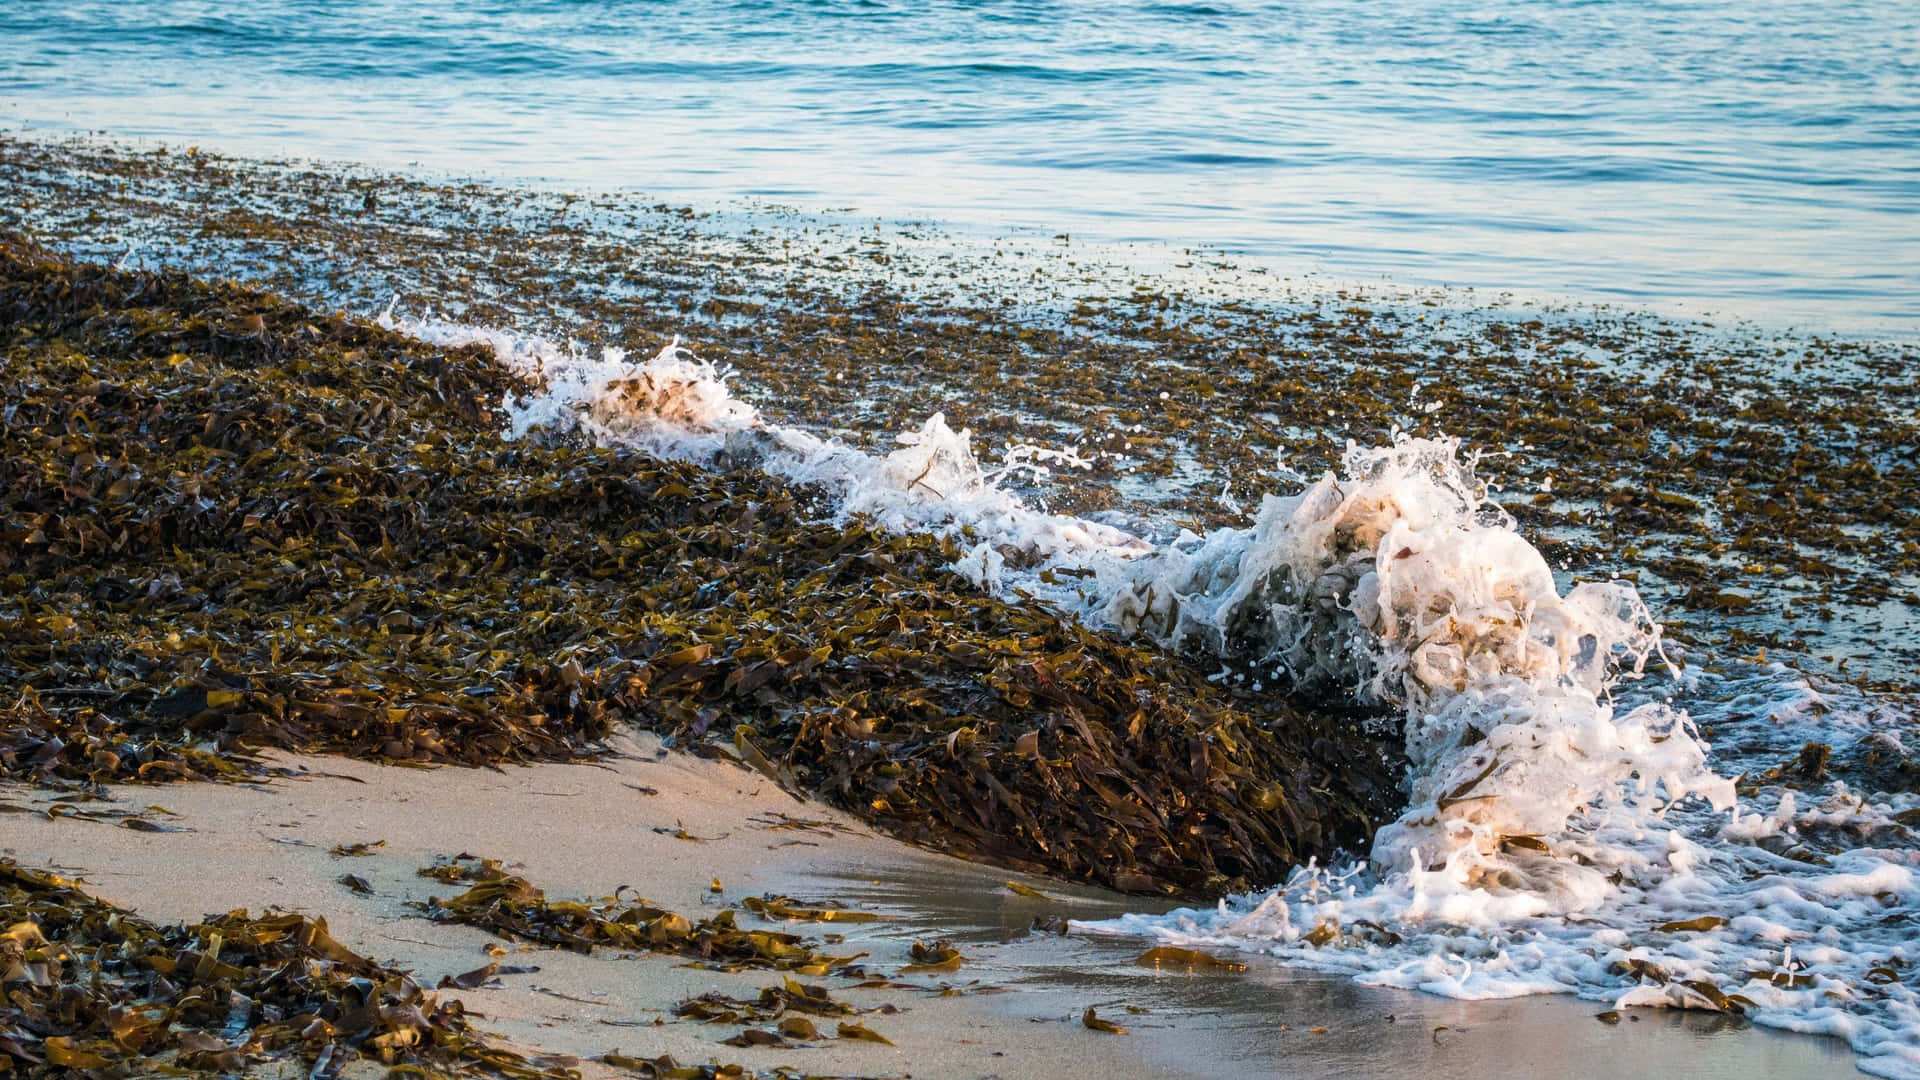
(1760, 159)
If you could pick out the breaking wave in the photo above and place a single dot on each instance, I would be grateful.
(1566, 830)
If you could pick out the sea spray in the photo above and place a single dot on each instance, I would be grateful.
(1556, 839)
(1396, 583)
(675, 405)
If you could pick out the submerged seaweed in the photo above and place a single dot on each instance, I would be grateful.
(234, 524)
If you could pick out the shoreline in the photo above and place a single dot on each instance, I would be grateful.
(1021, 992)
(1100, 265)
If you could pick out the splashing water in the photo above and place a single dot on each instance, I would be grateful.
(1398, 585)
(674, 405)
(1555, 839)
(1564, 831)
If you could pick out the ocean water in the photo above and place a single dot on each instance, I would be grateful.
(1754, 160)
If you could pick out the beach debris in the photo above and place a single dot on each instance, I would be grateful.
(665, 1067)
(138, 824)
(1092, 1022)
(455, 869)
(786, 1006)
(773, 1003)
(1030, 892)
(470, 980)
(799, 1028)
(95, 987)
(940, 956)
(784, 907)
(777, 821)
(357, 850)
(1698, 925)
(513, 908)
(756, 1037)
(853, 1029)
(1169, 956)
(679, 832)
(358, 884)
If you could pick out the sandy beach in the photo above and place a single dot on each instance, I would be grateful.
(1015, 1004)
(266, 846)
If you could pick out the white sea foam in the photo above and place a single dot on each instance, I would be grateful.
(1552, 830)
(1559, 813)
(675, 405)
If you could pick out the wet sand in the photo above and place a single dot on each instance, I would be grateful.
(586, 831)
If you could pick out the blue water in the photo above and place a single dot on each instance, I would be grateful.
(1758, 159)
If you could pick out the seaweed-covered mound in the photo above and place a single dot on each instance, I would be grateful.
(232, 523)
(93, 990)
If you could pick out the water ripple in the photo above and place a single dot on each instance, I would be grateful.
(1758, 158)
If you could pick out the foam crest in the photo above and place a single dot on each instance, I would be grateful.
(1557, 839)
(676, 405)
(1396, 583)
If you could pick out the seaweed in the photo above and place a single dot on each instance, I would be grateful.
(1759, 486)
(787, 1007)
(512, 907)
(233, 524)
(96, 991)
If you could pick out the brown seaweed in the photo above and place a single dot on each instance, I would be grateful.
(1759, 485)
(93, 990)
(512, 907)
(232, 523)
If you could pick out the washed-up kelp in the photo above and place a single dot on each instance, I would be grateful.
(514, 908)
(231, 523)
(781, 1008)
(94, 991)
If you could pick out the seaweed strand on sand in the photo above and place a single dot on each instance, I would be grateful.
(96, 990)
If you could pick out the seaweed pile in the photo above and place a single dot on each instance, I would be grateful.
(93, 991)
(231, 523)
(511, 907)
(514, 908)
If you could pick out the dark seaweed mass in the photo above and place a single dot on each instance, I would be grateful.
(231, 523)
